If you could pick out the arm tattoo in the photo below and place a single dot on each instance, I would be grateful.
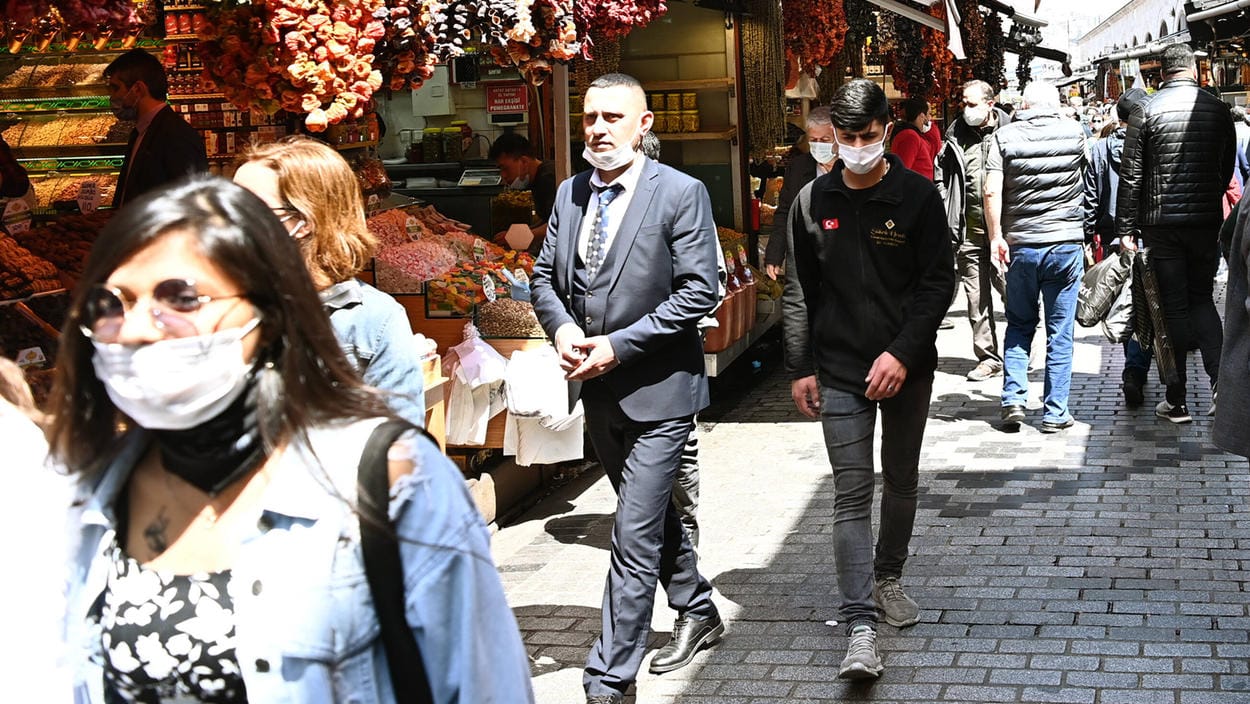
(154, 534)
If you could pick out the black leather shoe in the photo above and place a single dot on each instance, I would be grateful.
(605, 698)
(1013, 415)
(690, 635)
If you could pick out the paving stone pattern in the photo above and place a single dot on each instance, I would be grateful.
(1102, 565)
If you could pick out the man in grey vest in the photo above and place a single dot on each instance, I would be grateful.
(1033, 206)
(1179, 155)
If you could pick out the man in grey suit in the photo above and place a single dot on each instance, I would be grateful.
(626, 273)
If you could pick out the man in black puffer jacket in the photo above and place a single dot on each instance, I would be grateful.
(1179, 154)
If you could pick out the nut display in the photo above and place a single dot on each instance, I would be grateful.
(506, 317)
(66, 241)
(23, 273)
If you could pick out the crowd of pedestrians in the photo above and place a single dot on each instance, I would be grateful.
(255, 514)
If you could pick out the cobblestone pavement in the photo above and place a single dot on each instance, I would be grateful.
(1101, 565)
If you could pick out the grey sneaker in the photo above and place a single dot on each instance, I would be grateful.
(862, 661)
(987, 369)
(1176, 414)
(899, 609)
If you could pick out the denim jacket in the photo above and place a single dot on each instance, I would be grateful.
(306, 630)
(374, 332)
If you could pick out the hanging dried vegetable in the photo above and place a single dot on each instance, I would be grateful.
(1024, 72)
(612, 19)
(813, 30)
(763, 97)
(104, 16)
(991, 68)
(529, 33)
(605, 59)
(313, 57)
(404, 55)
(972, 29)
(861, 23)
(939, 63)
(907, 62)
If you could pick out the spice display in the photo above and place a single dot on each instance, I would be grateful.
(763, 96)
(813, 31)
(66, 241)
(505, 317)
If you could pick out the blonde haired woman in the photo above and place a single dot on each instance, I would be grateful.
(312, 190)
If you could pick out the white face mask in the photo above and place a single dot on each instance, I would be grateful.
(822, 152)
(520, 183)
(861, 160)
(618, 158)
(924, 129)
(977, 116)
(178, 383)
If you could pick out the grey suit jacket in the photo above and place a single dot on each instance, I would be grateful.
(658, 280)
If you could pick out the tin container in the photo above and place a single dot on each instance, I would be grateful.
(689, 121)
(672, 103)
(689, 101)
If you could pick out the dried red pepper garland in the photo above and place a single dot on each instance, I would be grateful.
(813, 31)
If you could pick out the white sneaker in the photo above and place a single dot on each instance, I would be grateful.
(1215, 394)
(862, 661)
(1176, 414)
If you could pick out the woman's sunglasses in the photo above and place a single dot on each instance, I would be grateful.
(172, 300)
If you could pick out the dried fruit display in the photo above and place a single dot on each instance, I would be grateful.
(40, 133)
(19, 78)
(66, 241)
(371, 175)
(65, 75)
(23, 273)
(310, 57)
(528, 33)
(405, 53)
(763, 96)
(813, 31)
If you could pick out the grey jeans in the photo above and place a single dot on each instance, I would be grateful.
(848, 420)
(979, 280)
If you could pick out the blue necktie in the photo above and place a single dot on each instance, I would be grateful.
(596, 248)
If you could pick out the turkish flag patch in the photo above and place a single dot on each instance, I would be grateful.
(830, 224)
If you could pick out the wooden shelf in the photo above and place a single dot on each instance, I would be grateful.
(720, 135)
(691, 84)
(354, 145)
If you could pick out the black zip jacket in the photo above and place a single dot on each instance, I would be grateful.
(1179, 154)
(867, 280)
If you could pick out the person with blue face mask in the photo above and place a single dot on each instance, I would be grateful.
(163, 147)
(214, 428)
(870, 275)
(522, 169)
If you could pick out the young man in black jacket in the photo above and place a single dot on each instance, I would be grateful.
(872, 277)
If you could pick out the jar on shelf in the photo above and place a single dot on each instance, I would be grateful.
(453, 146)
(689, 101)
(432, 144)
(655, 102)
(689, 120)
(673, 102)
(660, 124)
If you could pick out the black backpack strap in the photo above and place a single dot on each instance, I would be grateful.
(384, 568)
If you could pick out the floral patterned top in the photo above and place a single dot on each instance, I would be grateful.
(168, 639)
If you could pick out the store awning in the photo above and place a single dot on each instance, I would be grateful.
(1151, 49)
(1208, 22)
(1214, 10)
(911, 13)
(1077, 78)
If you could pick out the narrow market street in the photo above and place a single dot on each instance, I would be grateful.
(1100, 565)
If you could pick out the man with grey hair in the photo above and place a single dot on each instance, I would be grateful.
(959, 173)
(1179, 156)
(801, 169)
(1034, 199)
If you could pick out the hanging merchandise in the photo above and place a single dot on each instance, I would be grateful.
(100, 18)
(814, 31)
(763, 97)
(404, 54)
(941, 74)
(529, 33)
(907, 62)
(972, 29)
(605, 59)
(991, 69)
(308, 57)
(608, 20)
(860, 25)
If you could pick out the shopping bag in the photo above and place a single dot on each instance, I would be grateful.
(1099, 287)
(1117, 325)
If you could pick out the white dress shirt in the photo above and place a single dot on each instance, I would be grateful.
(616, 209)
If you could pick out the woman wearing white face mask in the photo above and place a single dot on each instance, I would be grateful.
(314, 193)
(800, 170)
(215, 427)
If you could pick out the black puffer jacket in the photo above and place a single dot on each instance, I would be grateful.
(1179, 154)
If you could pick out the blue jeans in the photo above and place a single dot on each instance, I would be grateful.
(1054, 272)
(1136, 358)
(848, 420)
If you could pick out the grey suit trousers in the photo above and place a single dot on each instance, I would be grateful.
(649, 543)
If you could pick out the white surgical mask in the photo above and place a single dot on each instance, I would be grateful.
(177, 383)
(520, 183)
(618, 158)
(924, 129)
(861, 160)
(822, 152)
(977, 116)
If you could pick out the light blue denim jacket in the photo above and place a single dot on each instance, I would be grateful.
(374, 332)
(306, 630)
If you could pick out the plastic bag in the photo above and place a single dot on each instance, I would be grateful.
(1117, 325)
(1100, 286)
